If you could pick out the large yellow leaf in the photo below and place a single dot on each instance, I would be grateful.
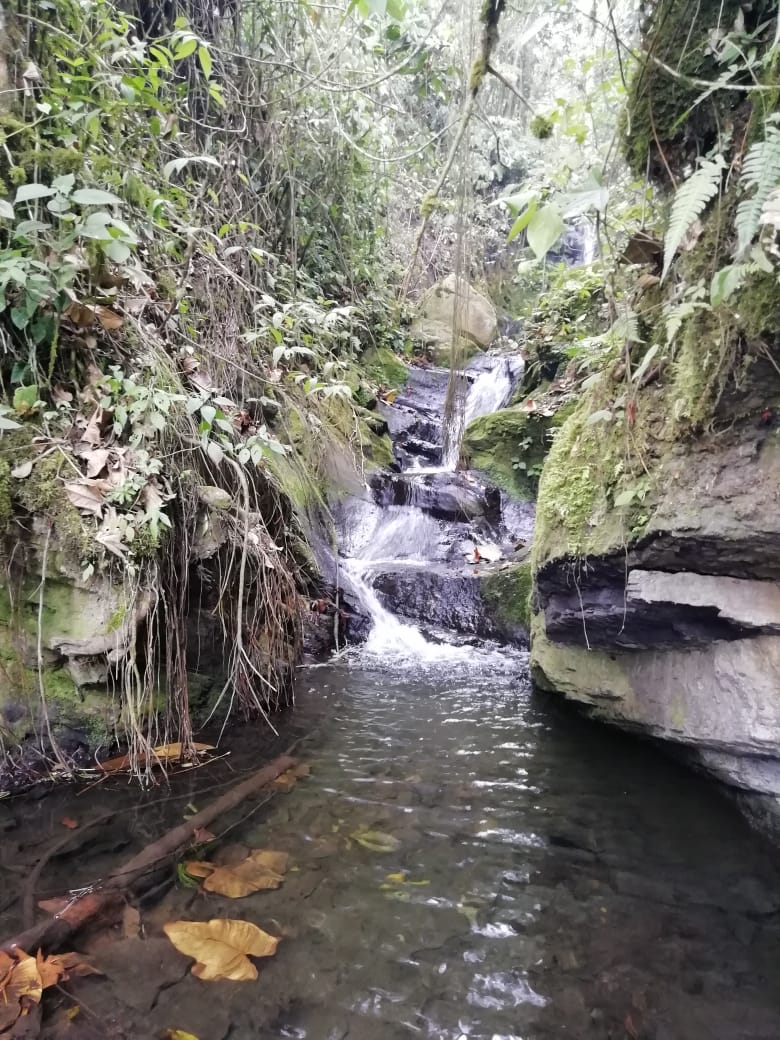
(20, 987)
(221, 948)
(259, 871)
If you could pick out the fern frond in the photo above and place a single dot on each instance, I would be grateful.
(689, 202)
(761, 171)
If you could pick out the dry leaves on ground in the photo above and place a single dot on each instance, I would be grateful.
(24, 978)
(161, 753)
(260, 870)
(287, 780)
(221, 948)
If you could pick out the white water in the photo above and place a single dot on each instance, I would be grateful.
(400, 535)
(490, 391)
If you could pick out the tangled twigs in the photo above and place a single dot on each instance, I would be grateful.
(102, 898)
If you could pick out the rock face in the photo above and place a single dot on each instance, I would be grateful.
(664, 617)
(451, 299)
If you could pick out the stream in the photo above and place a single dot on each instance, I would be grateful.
(541, 876)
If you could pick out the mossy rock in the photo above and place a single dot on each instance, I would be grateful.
(509, 446)
(384, 368)
(507, 596)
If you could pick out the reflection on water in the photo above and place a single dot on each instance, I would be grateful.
(551, 879)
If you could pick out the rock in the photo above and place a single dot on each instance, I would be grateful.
(662, 614)
(446, 496)
(509, 446)
(476, 314)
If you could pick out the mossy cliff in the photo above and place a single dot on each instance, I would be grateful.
(656, 559)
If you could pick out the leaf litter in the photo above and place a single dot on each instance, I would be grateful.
(221, 948)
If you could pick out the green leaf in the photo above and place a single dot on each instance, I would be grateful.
(645, 363)
(95, 197)
(6, 210)
(726, 282)
(9, 424)
(376, 841)
(25, 398)
(689, 203)
(214, 452)
(186, 48)
(205, 60)
(28, 192)
(625, 498)
(522, 221)
(118, 251)
(544, 229)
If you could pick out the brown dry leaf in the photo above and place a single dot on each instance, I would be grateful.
(301, 770)
(221, 948)
(260, 871)
(54, 906)
(80, 314)
(96, 459)
(131, 922)
(60, 967)
(286, 781)
(60, 395)
(86, 495)
(201, 836)
(69, 822)
(109, 319)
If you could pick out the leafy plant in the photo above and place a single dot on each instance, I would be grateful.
(689, 203)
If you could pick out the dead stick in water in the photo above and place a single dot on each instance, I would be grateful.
(56, 930)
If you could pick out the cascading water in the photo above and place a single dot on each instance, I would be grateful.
(405, 535)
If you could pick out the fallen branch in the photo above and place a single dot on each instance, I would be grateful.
(104, 896)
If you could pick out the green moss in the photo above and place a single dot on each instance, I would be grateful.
(510, 446)
(704, 360)
(507, 594)
(383, 368)
(661, 107)
(43, 493)
(574, 515)
(6, 506)
(50, 162)
(541, 127)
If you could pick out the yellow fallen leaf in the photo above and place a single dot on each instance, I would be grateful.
(199, 868)
(162, 753)
(376, 841)
(20, 987)
(261, 870)
(178, 1034)
(221, 948)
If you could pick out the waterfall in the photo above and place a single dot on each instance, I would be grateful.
(377, 539)
(490, 391)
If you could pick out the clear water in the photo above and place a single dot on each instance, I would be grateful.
(551, 878)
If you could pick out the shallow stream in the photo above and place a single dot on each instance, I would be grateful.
(550, 879)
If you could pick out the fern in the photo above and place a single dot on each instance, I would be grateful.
(761, 170)
(689, 202)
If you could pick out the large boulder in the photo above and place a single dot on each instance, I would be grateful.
(448, 300)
